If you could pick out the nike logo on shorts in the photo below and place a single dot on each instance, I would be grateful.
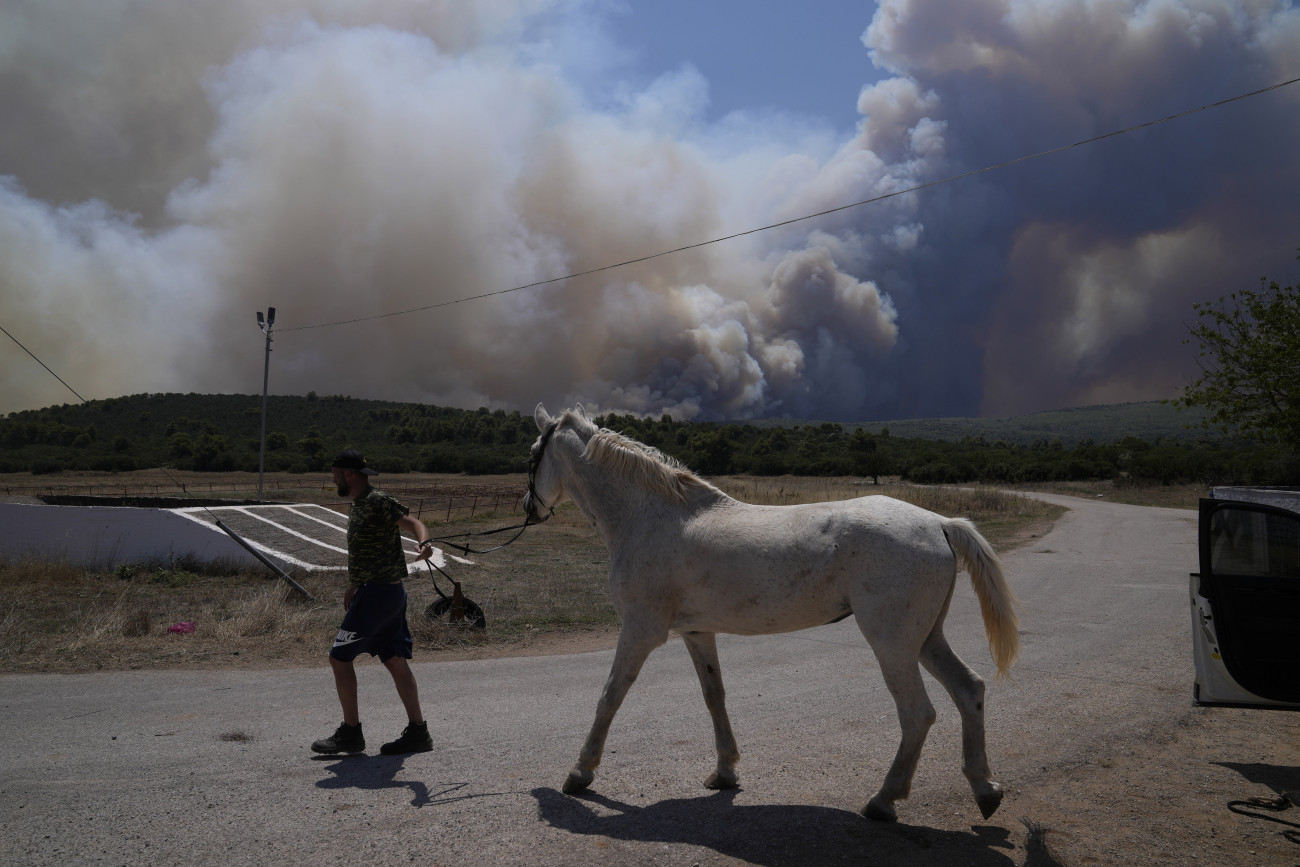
(345, 637)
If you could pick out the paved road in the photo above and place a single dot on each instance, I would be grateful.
(213, 767)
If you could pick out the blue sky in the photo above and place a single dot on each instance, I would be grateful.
(168, 169)
(744, 50)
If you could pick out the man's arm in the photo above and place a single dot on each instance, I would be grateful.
(416, 528)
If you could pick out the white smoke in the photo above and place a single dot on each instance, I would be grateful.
(172, 169)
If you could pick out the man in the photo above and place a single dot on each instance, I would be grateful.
(375, 602)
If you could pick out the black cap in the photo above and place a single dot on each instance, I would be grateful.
(351, 459)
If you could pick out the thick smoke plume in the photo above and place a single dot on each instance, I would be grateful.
(166, 170)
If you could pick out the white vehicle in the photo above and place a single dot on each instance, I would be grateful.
(1246, 599)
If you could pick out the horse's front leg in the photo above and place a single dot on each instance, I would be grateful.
(634, 645)
(703, 647)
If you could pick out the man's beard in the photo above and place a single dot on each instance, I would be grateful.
(344, 490)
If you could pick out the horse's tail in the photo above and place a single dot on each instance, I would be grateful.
(997, 602)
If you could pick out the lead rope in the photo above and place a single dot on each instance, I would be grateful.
(533, 463)
(468, 550)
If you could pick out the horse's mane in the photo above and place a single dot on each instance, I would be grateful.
(646, 466)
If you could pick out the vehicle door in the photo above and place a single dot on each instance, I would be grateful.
(1246, 605)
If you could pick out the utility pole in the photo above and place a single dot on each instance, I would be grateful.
(264, 324)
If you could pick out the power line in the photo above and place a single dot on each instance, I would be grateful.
(42, 364)
(914, 189)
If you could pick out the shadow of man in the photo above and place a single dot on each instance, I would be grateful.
(375, 772)
(772, 835)
(380, 772)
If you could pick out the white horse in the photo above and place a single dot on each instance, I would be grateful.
(687, 558)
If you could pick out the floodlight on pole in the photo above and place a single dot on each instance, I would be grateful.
(264, 324)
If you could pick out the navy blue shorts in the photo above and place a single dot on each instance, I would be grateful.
(375, 624)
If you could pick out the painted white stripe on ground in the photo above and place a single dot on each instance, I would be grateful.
(290, 531)
(279, 555)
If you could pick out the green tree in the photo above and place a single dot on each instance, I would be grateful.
(313, 443)
(208, 451)
(1250, 364)
(180, 445)
(868, 460)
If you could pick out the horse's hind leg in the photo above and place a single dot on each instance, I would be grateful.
(967, 691)
(634, 645)
(703, 647)
(898, 665)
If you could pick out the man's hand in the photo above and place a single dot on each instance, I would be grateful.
(426, 549)
(347, 597)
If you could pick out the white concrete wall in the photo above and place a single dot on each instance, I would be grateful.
(103, 537)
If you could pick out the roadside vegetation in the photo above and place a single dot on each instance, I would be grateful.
(541, 594)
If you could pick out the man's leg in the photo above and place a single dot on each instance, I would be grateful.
(345, 682)
(404, 680)
(347, 738)
(415, 737)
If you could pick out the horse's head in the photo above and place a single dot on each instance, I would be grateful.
(545, 486)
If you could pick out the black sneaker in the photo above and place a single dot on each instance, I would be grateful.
(346, 739)
(415, 739)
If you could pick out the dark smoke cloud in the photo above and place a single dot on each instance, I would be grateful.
(168, 169)
(1074, 275)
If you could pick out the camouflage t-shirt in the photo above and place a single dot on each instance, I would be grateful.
(374, 542)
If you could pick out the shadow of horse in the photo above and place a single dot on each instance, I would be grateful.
(772, 835)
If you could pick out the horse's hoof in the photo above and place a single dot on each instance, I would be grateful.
(578, 781)
(990, 800)
(879, 812)
(719, 780)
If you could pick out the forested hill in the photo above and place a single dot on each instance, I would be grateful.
(1150, 420)
(221, 433)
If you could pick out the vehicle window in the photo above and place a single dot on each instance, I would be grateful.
(1254, 543)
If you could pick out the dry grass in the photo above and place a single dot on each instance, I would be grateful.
(62, 618)
(546, 589)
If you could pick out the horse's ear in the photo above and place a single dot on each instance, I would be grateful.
(542, 417)
(582, 412)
